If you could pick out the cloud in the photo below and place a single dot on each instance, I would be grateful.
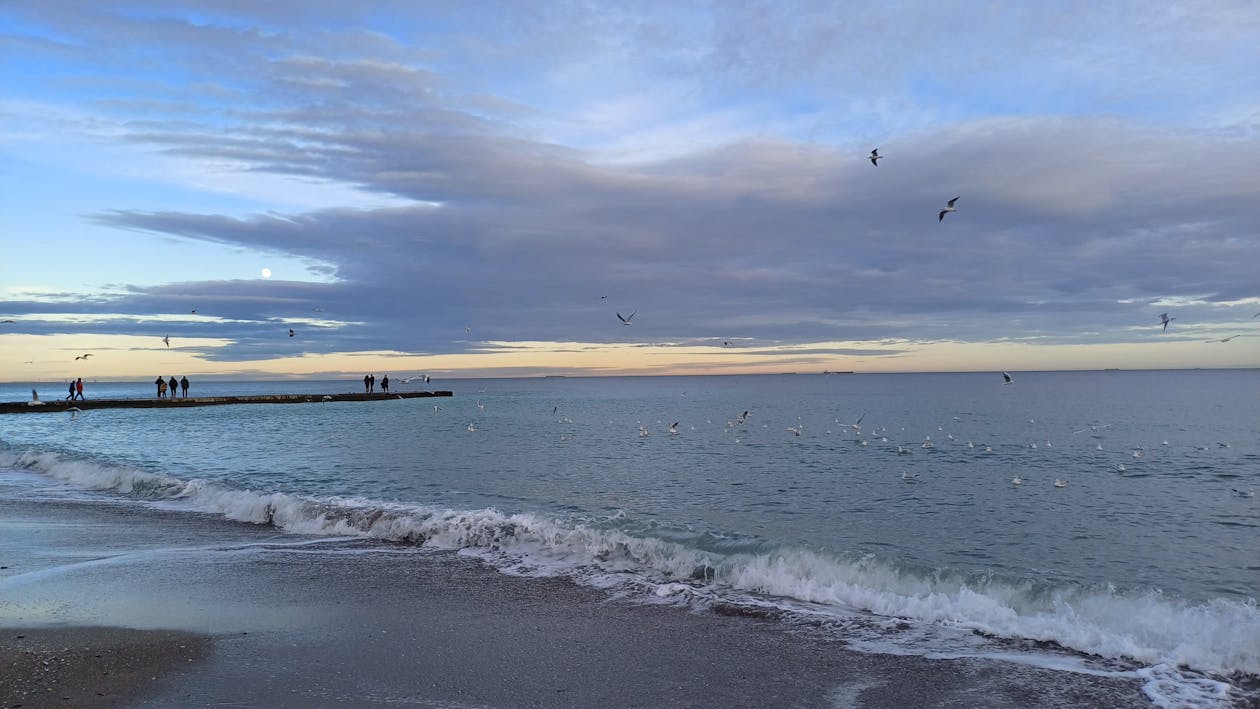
(703, 169)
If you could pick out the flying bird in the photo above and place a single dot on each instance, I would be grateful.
(167, 340)
(9, 322)
(84, 356)
(949, 207)
(875, 156)
(1163, 317)
(291, 332)
(1008, 379)
(857, 425)
(1224, 339)
(626, 320)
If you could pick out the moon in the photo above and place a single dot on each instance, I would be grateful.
(266, 273)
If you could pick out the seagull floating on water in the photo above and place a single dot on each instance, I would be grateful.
(949, 207)
(1244, 493)
(1017, 480)
(875, 156)
(1059, 482)
(626, 320)
(1163, 317)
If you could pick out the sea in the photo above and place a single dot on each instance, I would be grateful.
(1091, 522)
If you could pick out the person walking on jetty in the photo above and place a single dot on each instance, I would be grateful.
(385, 384)
(183, 384)
(174, 386)
(71, 394)
(78, 387)
(161, 385)
(367, 383)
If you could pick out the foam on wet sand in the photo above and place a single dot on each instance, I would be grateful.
(238, 614)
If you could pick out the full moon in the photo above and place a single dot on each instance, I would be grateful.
(266, 273)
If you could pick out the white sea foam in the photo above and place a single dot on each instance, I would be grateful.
(1220, 636)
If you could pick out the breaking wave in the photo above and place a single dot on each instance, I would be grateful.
(1220, 636)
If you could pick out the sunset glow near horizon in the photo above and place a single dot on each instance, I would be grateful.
(479, 189)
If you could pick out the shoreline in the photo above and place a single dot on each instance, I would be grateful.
(275, 619)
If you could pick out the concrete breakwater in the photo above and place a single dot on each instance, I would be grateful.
(55, 405)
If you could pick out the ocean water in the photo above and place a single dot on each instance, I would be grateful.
(902, 534)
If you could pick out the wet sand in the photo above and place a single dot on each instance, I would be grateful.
(238, 615)
(90, 667)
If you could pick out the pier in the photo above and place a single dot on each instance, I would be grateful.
(62, 405)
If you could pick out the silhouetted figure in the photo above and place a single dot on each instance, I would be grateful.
(71, 394)
(174, 385)
(183, 384)
(385, 384)
(161, 386)
(367, 383)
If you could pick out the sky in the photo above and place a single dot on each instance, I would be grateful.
(480, 188)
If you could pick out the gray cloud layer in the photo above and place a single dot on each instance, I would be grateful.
(1071, 227)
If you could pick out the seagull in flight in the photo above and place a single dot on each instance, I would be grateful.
(291, 332)
(857, 425)
(9, 322)
(1224, 339)
(1007, 378)
(626, 320)
(1163, 317)
(875, 156)
(84, 356)
(949, 207)
(167, 340)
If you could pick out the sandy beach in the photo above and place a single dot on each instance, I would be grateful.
(106, 604)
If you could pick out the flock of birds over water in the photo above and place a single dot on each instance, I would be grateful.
(950, 207)
(872, 437)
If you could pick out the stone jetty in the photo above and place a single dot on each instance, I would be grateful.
(61, 405)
